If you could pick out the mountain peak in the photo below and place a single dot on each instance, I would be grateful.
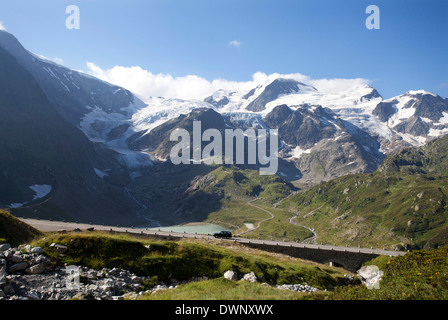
(419, 93)
(279, 86)
(10, 43)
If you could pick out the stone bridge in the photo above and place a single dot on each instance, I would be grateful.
(348, 258)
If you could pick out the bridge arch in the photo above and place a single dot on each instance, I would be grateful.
(337, 264)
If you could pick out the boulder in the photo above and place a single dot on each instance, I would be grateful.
(250, 277)
(83, 296)
(32, 296)
(37, 250)
(26, 247)
(60, 248)
(18, 267)
(16, 258)
(230, 275)
(4, 246)
(36, 269)
(8, 289)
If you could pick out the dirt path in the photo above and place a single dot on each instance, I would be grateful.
(260, 222)
(311, 240)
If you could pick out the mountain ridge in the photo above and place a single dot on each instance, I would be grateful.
(324, 133)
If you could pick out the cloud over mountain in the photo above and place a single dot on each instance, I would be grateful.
(146, 84)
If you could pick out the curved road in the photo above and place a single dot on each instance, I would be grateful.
(311, 239)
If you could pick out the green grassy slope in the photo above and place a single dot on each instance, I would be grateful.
(432, 159)
(183, 260)
(403, 204)
(419, 275)
(380, 210)
(14, 231)
(244, 184)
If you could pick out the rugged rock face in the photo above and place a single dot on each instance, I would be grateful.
(305, 126)
(157, 141)
(430, 106)
(372, 95)
(72, 93)
(330, 159)
(415, 126)
(414, 113)
(321, 145)
(384, 110)
(220, 103)
(428, 159)
(41, 148)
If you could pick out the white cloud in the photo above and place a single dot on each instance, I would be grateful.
(2, 27)
(147, 84)
(235, 43)
(55, 60)
(338, 85)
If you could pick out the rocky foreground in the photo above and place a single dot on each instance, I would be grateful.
(26, 273)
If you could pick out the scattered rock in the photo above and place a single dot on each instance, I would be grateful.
(31, 276)
(59, 248)
(83, 296)
(7, 289)
(4, 246)
(231, 275)
(33, 296)
(18, 267)
(298, 287)
(37, 250)
(250, 277)
(36, 269)
(16, 258)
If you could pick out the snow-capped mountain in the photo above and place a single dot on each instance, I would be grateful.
(110, 115)
(415, 115)
(94, 106)
(409, 119)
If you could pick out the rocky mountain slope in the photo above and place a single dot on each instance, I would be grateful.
(42, 150)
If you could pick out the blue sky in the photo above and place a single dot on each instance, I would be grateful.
(317, 38)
